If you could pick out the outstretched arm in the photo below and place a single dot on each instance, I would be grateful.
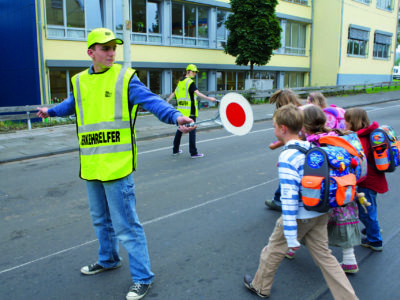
(201, 95)
(171, 96)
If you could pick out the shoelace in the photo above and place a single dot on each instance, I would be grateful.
(136, 287)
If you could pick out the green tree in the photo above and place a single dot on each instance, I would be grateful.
(255, 32)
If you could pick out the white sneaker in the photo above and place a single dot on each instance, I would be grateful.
(177, 153)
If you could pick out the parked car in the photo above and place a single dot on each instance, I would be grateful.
(396, 72)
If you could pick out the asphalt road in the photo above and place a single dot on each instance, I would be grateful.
(205, 221)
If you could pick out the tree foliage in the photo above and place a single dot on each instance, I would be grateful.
(255, 32)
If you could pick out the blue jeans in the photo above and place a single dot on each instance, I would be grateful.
(112, 206)
(192, 141)
(370, 219)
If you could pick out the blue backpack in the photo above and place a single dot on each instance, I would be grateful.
(331, 172)
(385, 148)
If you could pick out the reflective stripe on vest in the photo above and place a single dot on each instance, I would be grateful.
(106, 138)
(184, 103)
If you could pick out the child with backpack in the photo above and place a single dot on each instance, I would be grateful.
(343, 230)
(296, 223)
(334, 114)
(280, 98)
(375, 182)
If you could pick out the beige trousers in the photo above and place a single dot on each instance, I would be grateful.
(314, 232)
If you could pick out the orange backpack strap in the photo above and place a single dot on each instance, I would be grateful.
(339, 142)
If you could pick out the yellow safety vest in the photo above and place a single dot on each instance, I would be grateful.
(183, 97)
(107, 142)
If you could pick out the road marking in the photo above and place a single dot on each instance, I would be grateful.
(381, 108)
(152, 221)
(47, 256)
(206, 141)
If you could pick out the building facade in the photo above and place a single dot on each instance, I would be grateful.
(323, 43)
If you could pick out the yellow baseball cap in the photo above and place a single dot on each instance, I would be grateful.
(102, 36)
(192, 67)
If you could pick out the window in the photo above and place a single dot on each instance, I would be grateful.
(295, 38)
(222, 32)
(146, 21)
(73, 18)
(364, 1)
(263, 75)
(382, 44)
(302, 2)
(189, 25)
(293, 79)
(221, 81)
(60, 84)
(151, 79)
(230, 81)
(357, 41)
(201, 80)
(385, 4)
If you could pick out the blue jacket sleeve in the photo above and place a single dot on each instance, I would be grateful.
(139, 94)
(65, 108)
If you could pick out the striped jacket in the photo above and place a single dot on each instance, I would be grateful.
(291, 169)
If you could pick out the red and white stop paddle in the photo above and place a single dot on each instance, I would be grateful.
(234, 113)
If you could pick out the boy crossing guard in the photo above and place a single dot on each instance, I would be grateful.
(186, 94)
(105, 98)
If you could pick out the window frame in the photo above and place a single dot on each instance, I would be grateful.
(64, 32)
(366, 2)
(299, 2)
(221, 42)
(290, 50)
(357, 42)
(184, 41)
(382, 46)
(381, 3)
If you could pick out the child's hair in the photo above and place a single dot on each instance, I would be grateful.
(315, 119)
(357, 118)
(318, 99)
(290, 116)
(284, 97)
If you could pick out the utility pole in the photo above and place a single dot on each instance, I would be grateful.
(126, 33)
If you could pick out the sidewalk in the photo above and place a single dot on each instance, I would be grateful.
(41, 142)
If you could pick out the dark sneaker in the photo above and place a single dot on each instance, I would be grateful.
(272, 205)
(376, 246)
(197, 155)
(349, 268)
(96, 268)
(247, 283)
(177, 153)
(137, 291)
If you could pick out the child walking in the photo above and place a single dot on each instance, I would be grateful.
(343, 228)
(296, 223)
(280, 98)
(357, 120)
(334, 114)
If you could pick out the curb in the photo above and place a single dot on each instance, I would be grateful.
(161, 135)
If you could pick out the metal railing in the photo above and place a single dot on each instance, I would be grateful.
(28, 112)
(15, 113)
